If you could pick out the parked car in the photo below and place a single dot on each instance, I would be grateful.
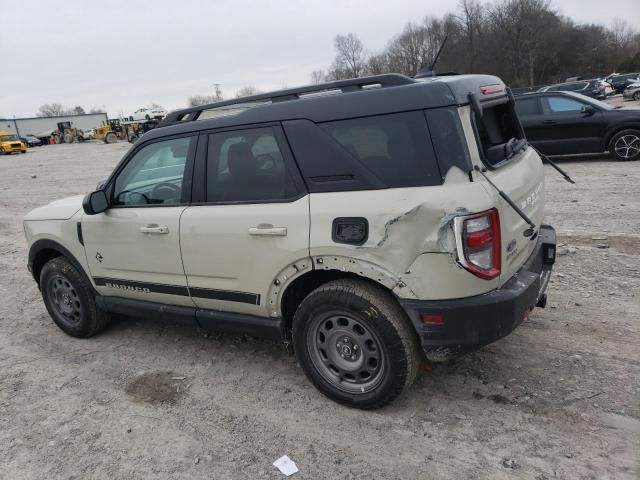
(361, 220)
(31, 141)
(89, 134)
(619, 82)
(595, 88)
(148, 114)
(560, 123)
(10, 143)
(632, 92)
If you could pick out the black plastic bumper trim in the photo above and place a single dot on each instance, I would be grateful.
(470, 323)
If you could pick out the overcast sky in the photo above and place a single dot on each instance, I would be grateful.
(124, 55)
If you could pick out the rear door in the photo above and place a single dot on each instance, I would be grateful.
(530, 114)
(252, 221)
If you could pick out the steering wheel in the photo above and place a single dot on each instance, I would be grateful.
(165, 191)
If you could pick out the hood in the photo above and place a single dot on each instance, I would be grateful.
(57, 210)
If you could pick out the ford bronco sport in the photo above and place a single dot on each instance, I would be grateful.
(370, 223)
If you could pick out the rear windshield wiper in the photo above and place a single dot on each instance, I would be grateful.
(529, 231)
(546, 160)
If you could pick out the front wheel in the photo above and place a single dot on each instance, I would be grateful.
(69, 299)
(355, 343)
(625, 145)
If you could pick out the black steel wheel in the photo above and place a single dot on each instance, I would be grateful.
(355, 343)
(69, 299)
(346, 352)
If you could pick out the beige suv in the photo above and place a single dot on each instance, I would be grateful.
(370, 223)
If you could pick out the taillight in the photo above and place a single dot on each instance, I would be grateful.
(478, 243)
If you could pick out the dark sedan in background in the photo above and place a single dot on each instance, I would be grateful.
(31, 141)
(562, 123)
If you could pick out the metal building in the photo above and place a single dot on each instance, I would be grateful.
(42, 127)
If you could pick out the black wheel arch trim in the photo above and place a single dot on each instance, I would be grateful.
(613, 131)
(46, 244)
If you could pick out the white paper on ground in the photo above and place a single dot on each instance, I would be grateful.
(285, 465)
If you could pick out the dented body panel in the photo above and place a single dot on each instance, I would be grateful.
(410, 235)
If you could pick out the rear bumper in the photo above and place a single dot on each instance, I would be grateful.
(462, 325)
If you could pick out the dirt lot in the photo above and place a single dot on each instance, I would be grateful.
(558, 399)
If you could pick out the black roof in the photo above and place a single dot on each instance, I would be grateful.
(374, 95)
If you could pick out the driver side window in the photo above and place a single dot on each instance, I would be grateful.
(154, 175)
(561, 104)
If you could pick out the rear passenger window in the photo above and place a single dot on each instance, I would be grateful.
(395, 148)
(247, 166)
(527, 106)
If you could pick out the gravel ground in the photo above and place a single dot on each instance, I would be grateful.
(556, 399)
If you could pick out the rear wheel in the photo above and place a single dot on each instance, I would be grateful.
(68, 138)
(355, 343)
(110, 138)
(69, 299)
(636, 96)
(625, 145)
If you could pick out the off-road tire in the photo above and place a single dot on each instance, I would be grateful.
(365, 307)
(625, 145)
(110, 138)
(87, 319)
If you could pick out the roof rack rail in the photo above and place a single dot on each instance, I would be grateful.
(354, 84)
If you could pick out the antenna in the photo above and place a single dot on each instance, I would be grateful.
(428, 70)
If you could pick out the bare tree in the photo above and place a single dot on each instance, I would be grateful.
(470, 20)
(197, 100)
(525, 42)
(156, 105)
(96, 110)
(78, 110)
(351, 57)
(51, 110)
(317, 76)
(247, 91)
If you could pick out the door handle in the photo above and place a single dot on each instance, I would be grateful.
(156, 229)
(268, 230)
(549, 122)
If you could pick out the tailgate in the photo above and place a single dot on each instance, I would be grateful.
(522, 179)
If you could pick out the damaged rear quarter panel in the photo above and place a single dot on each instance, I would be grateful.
(410, 236)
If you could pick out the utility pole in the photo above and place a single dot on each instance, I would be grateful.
(218, 92)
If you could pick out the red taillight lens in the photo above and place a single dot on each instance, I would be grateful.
(478, 238)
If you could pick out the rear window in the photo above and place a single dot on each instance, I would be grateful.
(396, 148)
(498, 133)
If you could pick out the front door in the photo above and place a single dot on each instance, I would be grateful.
(133, 248)
(566, 129)
(252, 223)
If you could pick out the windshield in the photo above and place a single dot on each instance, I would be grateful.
(8, 138)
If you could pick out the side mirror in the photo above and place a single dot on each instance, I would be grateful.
(588, 110)
(95, 202)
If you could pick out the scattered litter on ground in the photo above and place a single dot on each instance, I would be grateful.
(285, 465)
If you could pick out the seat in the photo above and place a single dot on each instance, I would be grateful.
(246, 183)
